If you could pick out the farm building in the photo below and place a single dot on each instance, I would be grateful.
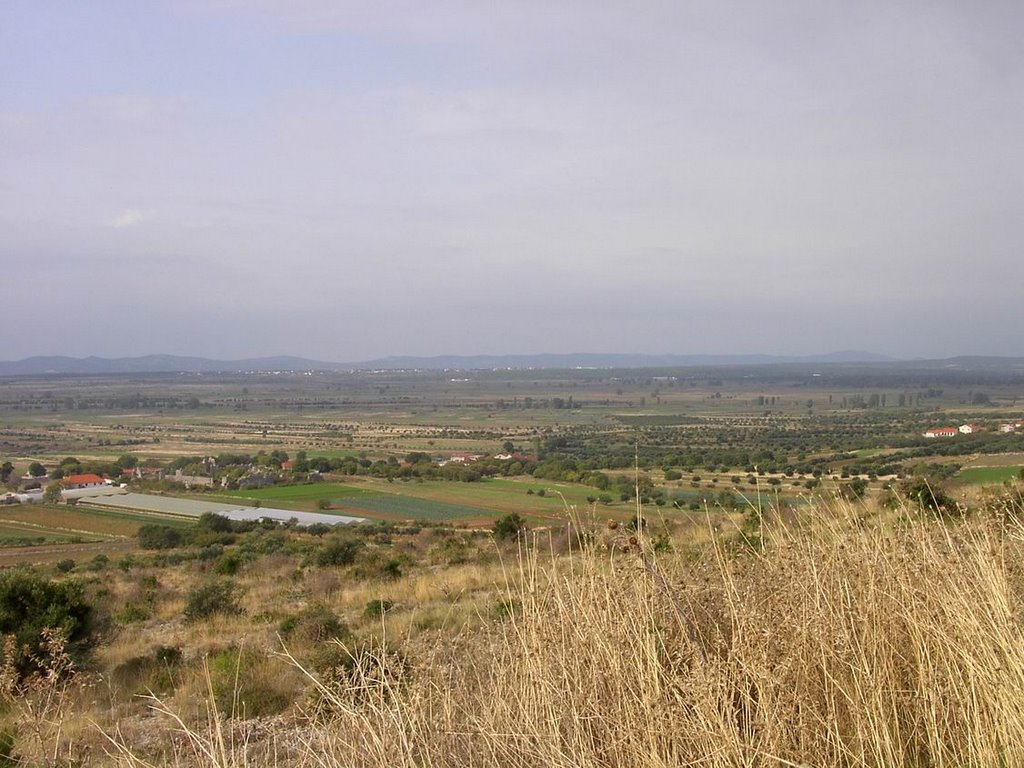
(942, 432)
(143, 473)
(461, 458)
(83, 481)
(970, 429)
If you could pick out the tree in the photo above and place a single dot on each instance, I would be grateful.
(5, 471)
(509, 527)
(35, 469)
(127, 461)
(30, 604)
(338, 552)
(52, 493)
(155, 536)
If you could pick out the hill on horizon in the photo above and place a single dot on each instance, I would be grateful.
(58, 364)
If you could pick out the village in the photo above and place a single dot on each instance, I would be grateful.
(971, 429)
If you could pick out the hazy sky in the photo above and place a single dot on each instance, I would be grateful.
(347, 180)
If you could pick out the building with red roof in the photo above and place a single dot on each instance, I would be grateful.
(83, 481)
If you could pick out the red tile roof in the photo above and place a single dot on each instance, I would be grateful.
(83, 480)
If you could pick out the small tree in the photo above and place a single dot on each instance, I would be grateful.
(30, 604)
(155, 536)
(205, 600)
(35, 469)
(509, 527)
(338, 552)
(52, 493)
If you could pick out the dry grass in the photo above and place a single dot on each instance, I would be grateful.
(846, 642)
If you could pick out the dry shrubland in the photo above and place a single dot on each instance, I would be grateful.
(845, 635)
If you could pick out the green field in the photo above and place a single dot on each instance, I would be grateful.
(300, 497)
(13, 535)
(986, 475)
(412, 508)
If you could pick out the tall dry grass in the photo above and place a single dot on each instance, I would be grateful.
(830, 642)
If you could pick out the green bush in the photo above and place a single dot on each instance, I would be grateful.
(220, 596)
(338, 552)
(450, 551)
(245, 684)
(316, 623)
(131, 613)
(154, 536)
(98, 563)
(228, 564)
(29, 604)
(509, 527)
(377, 608)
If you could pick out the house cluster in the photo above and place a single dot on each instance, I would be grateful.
(67, 483)
(1013, 426)
(469, 458)
(460, 458)
(141, 473)
(963, 429)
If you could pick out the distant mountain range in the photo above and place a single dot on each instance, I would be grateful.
(175, 364)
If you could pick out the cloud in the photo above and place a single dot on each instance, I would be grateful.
(129, 217)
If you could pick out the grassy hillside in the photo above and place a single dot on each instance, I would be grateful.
(843, 634)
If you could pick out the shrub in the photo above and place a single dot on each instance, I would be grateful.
(509, 527)
(315, 624)
(153, 536)
(228, 564)
(450, 551)
(168, 654)
(338, 552)
(220, 596)
(928, 496)
(29, 604)
(246, 684)
(98, 563)
(210, 521)
(131, 613)
(377, 608)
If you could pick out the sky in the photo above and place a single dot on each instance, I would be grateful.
(351, 180)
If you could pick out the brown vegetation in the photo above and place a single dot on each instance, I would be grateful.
(867, 638)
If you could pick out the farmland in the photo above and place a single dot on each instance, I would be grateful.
(458, 480)
(988, 475)
(720, 436)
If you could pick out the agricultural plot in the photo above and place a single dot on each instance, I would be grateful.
(171, 506)
(430, 500)
(987, 475)
(299, 497)
(12, 535)
(67, 521)
(395, 506)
